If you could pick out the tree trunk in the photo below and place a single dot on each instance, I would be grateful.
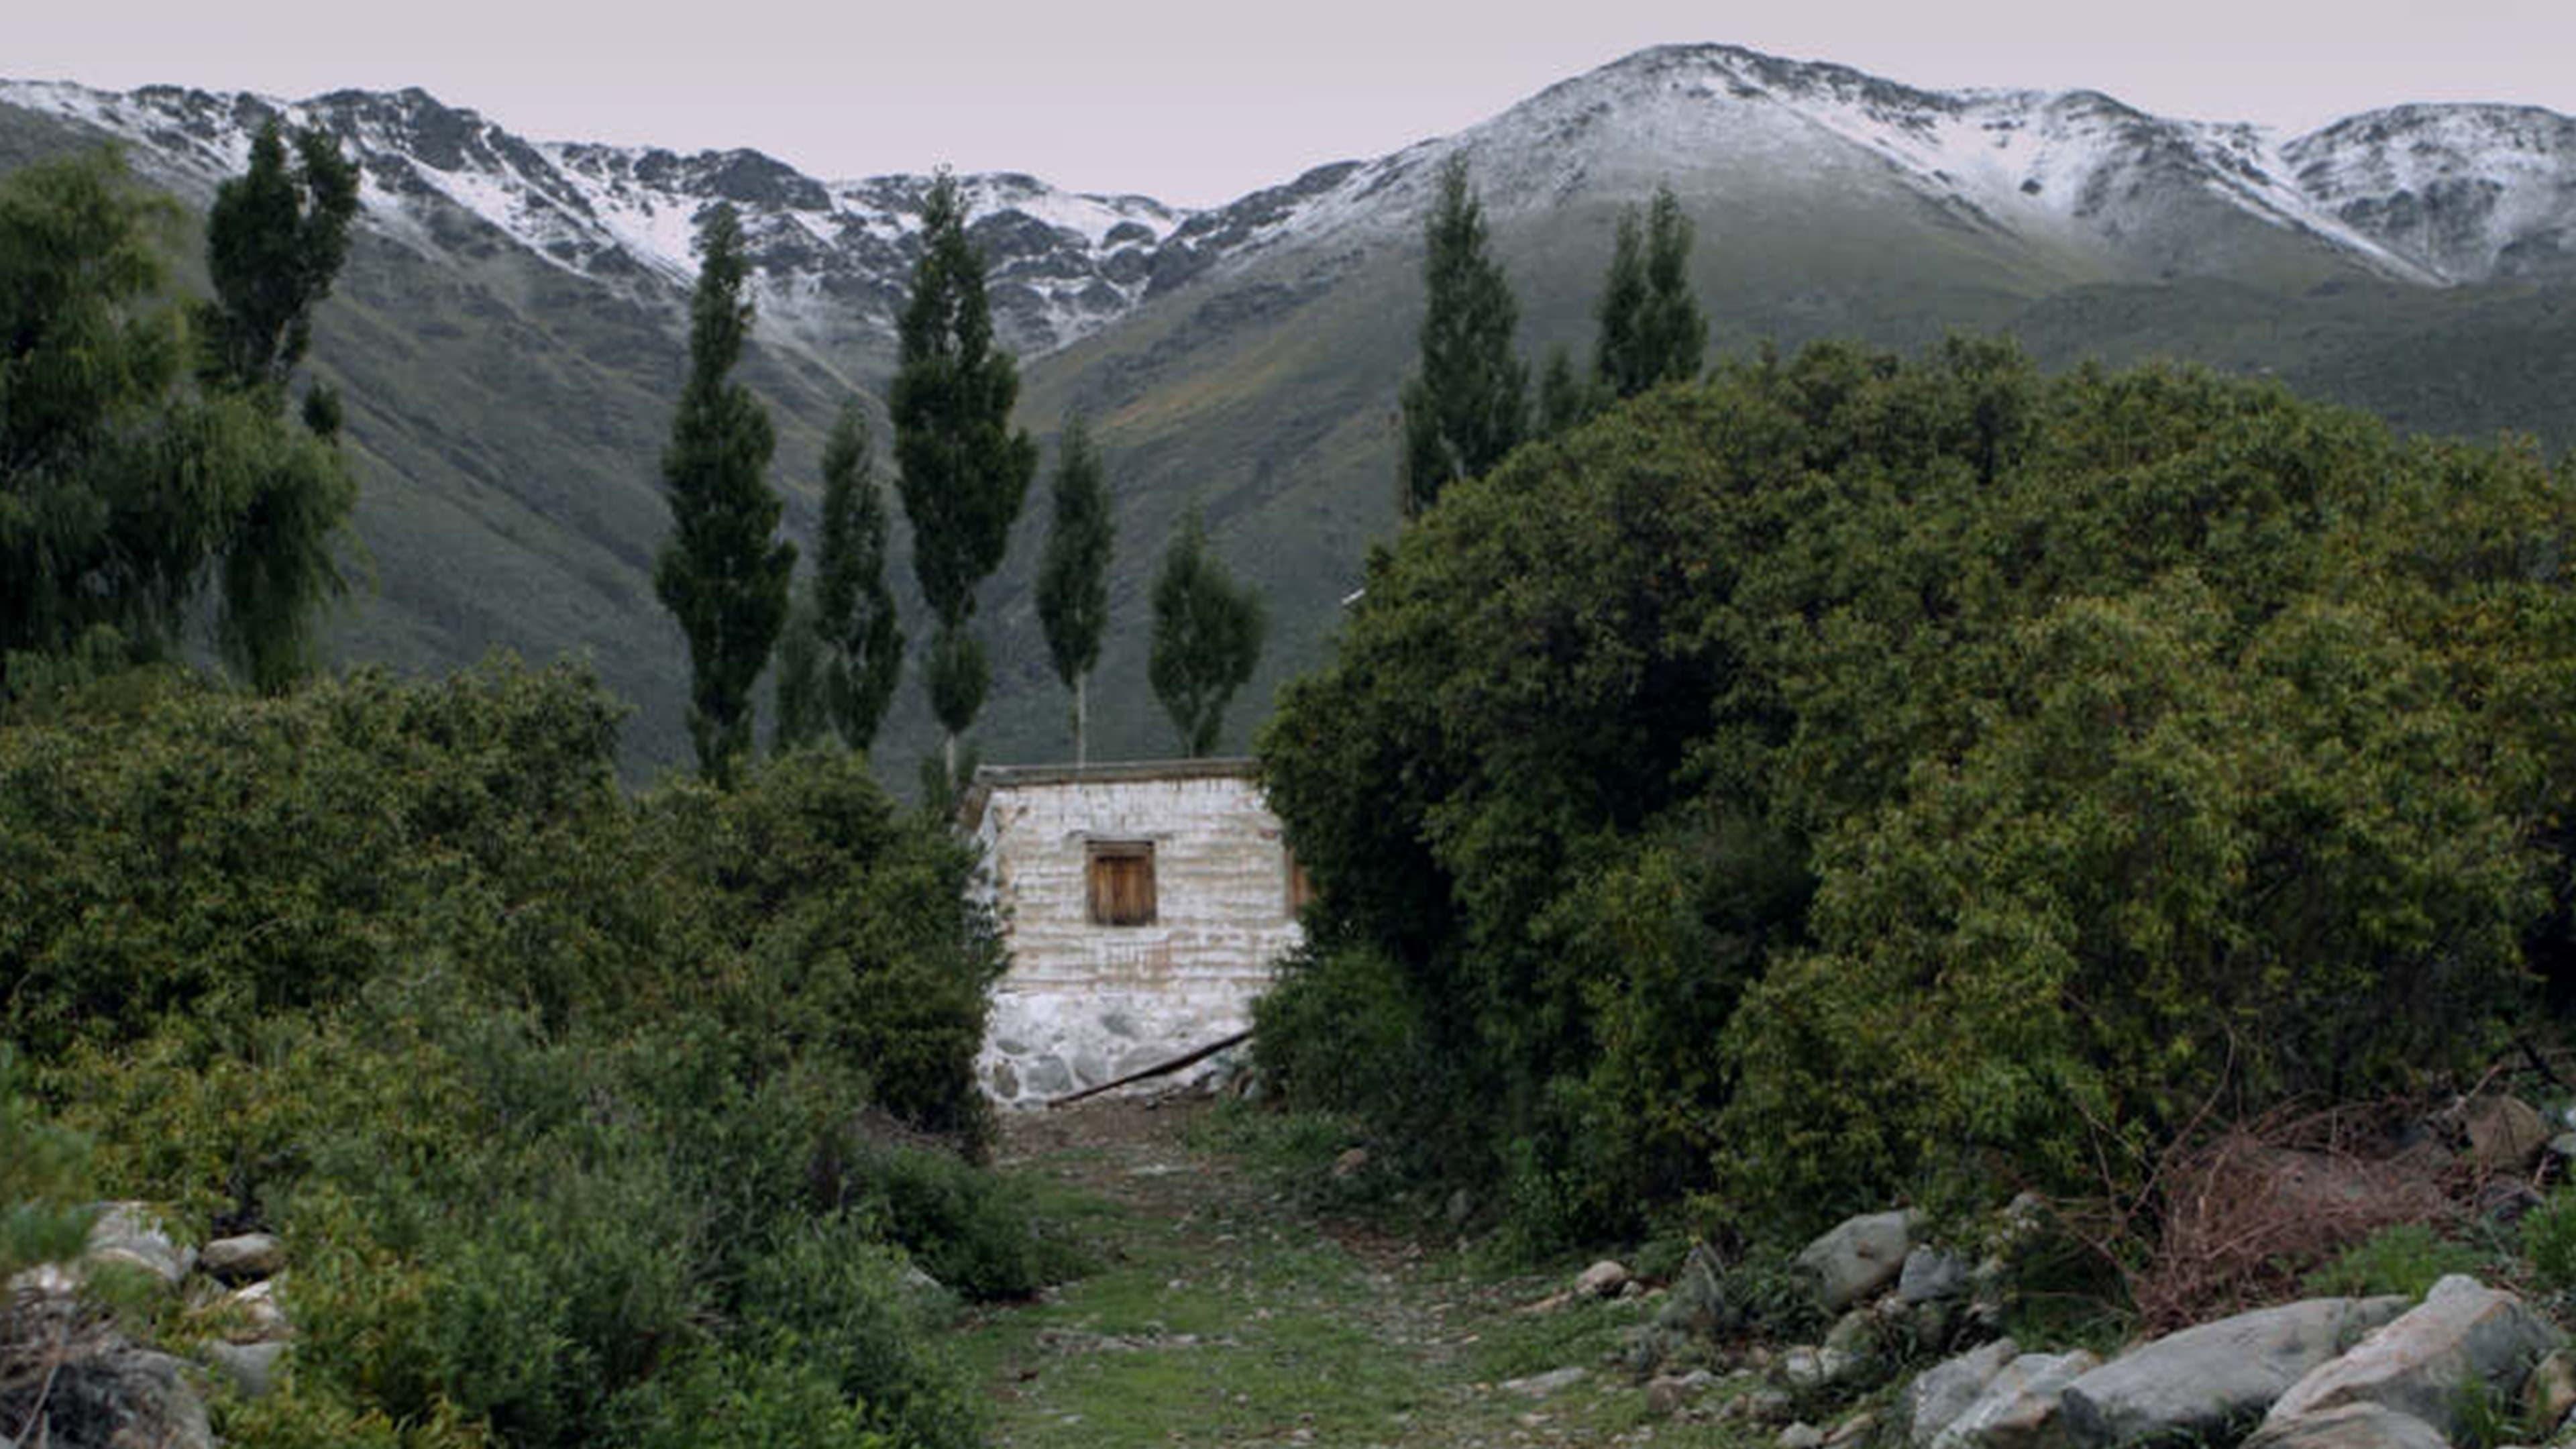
(1081, 744)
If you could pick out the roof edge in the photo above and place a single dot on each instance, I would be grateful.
(989, 778)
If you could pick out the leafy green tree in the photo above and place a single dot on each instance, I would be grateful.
(965, 471)
(120, 488)
(275, 239)
(854, 615)
(722, 573)
(798, 713)
(1466, 405)
(1652, 330)
(1566, 398)
(1207, 637)
(1073, 579)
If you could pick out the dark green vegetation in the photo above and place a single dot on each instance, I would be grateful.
(1852, 779)
(586, 1118)
(1466, 404)
(122, 486)
(854, 610)
(723, 572)
(964, 470)
(1207, 637)
(1073, 578)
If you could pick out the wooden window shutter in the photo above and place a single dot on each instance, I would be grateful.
(1122, 882)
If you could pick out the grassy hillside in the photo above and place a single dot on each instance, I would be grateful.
(506, 417)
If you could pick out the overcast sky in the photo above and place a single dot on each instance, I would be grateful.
(1199, 101)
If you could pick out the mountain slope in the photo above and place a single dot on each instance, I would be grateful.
(508, 332)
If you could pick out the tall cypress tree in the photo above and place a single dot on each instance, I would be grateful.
(1652, 330)
(722, 572)
(854, 616)
(275, 238)
(1207, 637)
(965, 472)
(1467, 405)
(1073, 580)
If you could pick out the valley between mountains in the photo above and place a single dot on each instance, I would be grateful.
(508, 330)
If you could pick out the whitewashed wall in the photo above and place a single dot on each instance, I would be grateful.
(1085, 1004)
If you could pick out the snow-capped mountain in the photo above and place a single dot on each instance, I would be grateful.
(2425, 194)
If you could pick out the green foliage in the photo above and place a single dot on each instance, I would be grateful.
(1651, 328)
(558, 1095)
(2407, 1259)
(2549, 1241)
(275, 239)
(965, 472)
(722, 573)
(1207, 637)
(853, 607)
(44, 1176)
(121, 490)
(1073, 579)
(1466, 406)
(798, 715)
(1851, 778)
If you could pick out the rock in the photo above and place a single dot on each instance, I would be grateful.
(1944, 1391)
(1767, 1406)
(1350, 1163)
(1854, 1333)
(2349, 1426)
(1802, 1435)
(251, 1368)
(1859, 1256)
(2550, 1393)
(1601, 1280)
(2418, 1363)
(116, 1395)
(2563, 1145)
(1697, 1303)
(2505, 1134)
(2019, 1408)
(2506, 1199)
(1929, 1274)
(2199, 1381)
(1669, 1392)
(1854, 1430)
(1539, 1386)
(244, 1256)
(256, 1312)
(1461, 1206)
(1806, 1368)
(129, 1233)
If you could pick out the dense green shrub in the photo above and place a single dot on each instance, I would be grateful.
(560, 1098)
(1852, 777)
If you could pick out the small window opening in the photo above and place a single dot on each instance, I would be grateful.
(1122, 882)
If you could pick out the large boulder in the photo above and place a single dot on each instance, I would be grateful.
(112, 1395)
(2420, 1363)
(2021, 1407)
(1941, 1393)
(2350, 1426)
(1859, 1257)
(2195, 1383)
(242, 1257)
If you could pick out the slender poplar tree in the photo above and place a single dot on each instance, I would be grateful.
(1652, 330)
(1073, 579)
(964, 471)
(854, 618)
(1467, 405)
(1207, 637)
(723, 572)
(276, 236)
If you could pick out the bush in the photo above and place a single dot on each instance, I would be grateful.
(553, 1093)
(2407, 1259)
(1851, 779)
(2549, 1241)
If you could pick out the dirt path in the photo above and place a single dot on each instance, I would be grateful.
(1226, 1311)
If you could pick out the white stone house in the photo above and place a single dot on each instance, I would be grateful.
(1144, 907)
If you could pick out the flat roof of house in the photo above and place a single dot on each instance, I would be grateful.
(992, 778)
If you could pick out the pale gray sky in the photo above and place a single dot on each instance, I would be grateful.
(1199, 101)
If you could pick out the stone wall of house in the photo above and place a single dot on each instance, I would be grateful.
(1085, 1003)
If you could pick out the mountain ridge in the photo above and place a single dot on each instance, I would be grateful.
(509, 331)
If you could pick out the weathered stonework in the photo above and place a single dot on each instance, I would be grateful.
(1085, 1003)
